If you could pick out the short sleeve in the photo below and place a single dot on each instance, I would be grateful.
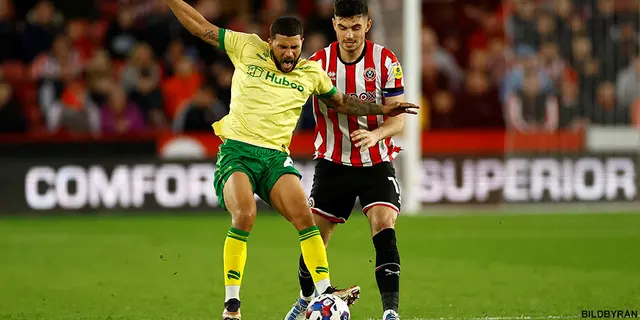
(394, 84)
(324, 88)
(233, 42)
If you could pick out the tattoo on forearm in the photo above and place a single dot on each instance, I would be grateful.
(357, 107)
(210, 35)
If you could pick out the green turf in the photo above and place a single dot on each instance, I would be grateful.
(475, 266)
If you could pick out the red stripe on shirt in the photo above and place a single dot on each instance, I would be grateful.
(372, 121)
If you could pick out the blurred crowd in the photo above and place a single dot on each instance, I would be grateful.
(123, 66)
(531, 65)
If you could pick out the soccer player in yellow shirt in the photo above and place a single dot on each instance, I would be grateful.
(270, 85)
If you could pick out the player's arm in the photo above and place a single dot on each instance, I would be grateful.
(392, 126)
(346, 104)
(193, 21)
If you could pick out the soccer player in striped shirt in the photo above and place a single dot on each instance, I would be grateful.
(270, 84)
(354, 153)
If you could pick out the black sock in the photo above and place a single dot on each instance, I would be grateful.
(387, 268)
(306, 281)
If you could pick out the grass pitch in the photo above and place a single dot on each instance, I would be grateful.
(160, 267)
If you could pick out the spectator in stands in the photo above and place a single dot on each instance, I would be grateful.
(629, 83)
(479, 102)
(443, 111)
(140, 62)
(55, 68)
(174, 53)
(445, 62)
(148, 97)
(479, 61)
(521, 26)
(572, 113)
(74, 112)
(489, 30)
(547, 29)
(100, 77)
(177, 90)
(222, 77)
(122, 34)
(321, 22)
(607, 111)
(79, 39)
(500, 56)
(203, 110)
(160, 26)
(602, 26)
(530, 109)
(9, 49)
(625, 48)
(551, 61)
(564, 11)
(527, 64)
(120, 115)
(43, 24)
(314, 42)
(12, 119)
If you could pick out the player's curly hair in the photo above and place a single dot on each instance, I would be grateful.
(350, 8)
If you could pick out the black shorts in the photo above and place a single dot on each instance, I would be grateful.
(336, 187)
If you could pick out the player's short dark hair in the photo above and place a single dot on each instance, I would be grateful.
(350, 8)
(287, 26)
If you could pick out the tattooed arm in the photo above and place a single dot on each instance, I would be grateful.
(346, 104)
(193, 21)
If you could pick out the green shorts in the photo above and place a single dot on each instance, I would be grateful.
(263, 166)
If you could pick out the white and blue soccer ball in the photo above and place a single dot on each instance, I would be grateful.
(327, 307)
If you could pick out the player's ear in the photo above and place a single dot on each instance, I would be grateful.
(369, 24)
(335, 27)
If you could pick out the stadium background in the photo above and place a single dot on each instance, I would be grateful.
(527, 107)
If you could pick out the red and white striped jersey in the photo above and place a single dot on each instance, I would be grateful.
(375, 75)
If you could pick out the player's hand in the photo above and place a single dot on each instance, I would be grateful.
(398, 108)
(365, 139)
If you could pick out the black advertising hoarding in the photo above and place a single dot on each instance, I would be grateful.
(124, 184)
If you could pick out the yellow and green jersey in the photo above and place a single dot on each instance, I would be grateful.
(265, 102)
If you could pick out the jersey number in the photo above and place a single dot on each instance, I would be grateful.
(395, 184)
(288, 163)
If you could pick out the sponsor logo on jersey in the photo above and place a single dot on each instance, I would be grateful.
(365, 96)
(370, 74)
(397, 71)
(263, 56)
(259, 72)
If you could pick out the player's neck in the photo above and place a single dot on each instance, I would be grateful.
(352, 57)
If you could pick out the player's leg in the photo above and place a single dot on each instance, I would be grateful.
(288, 197)
(331, 202)
(234, 184)
(381, 204)
(239, 201)
(332, 199)
(307, 287)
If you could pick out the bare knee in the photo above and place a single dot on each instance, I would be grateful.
(301, 218)
(243, 218)
(381, 218)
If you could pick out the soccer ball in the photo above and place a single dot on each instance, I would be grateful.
(327, 307)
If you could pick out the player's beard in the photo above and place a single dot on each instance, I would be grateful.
(289, 62)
